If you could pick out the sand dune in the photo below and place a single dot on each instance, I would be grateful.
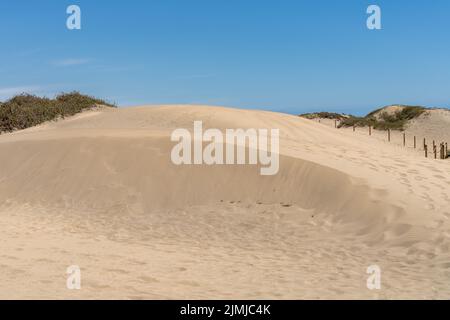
(433, 124)
(99, 190)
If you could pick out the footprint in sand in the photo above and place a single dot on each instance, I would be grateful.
(148, 279)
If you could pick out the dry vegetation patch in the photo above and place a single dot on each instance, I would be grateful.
(24, 111)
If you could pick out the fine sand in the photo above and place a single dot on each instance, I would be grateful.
(99, 191)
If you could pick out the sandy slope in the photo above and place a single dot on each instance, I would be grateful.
(433, 124)
(99, 191)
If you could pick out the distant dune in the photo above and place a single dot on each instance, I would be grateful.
(434, 124)
(98, 190)
(431, 124)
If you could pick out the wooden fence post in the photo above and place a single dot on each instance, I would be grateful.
(434, 151)
(442, 151)
(353, 128)
(335, 123)
(404, 139)
(370, 130)
(389, 135)
(446, 151)
(425, 147)
(424, 142)
(415, 142)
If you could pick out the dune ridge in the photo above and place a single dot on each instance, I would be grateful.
(104, 179)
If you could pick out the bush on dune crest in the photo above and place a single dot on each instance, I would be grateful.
(324, 115)
(26, 110)
(394, 121)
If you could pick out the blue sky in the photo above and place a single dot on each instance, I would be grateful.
(291, 56)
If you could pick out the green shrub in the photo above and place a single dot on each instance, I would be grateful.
(357, 122)
(394, 121)
(26, 110)
(323, 115)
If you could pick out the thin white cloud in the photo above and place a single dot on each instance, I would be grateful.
(6, 93)
(70, 62)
